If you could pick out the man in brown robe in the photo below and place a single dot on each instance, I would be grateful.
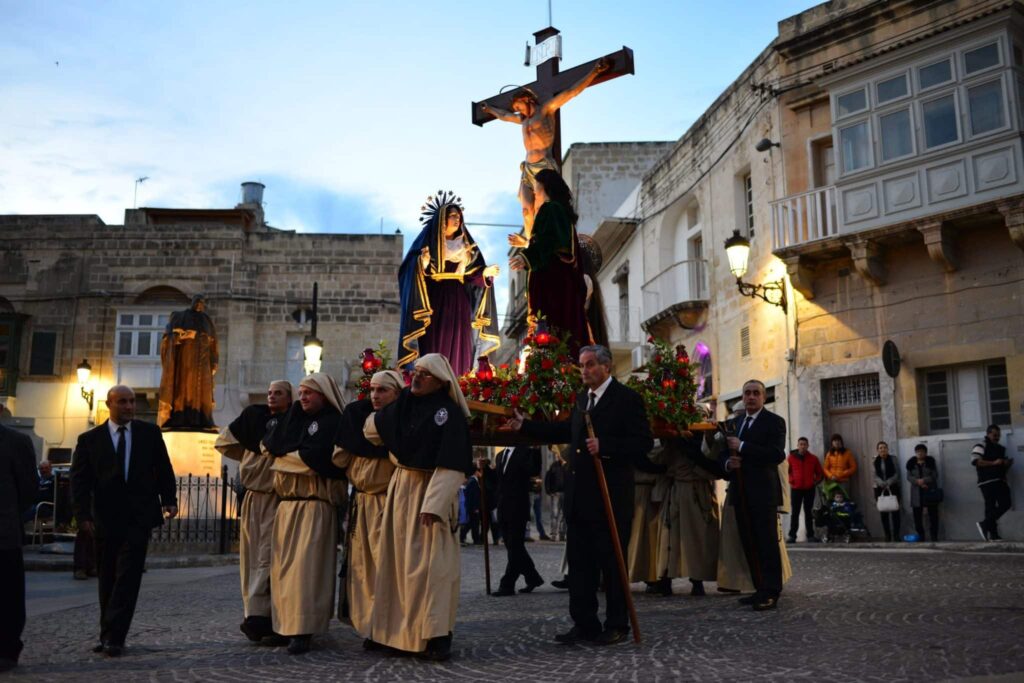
(304, 549)
(369, 471)
(240, 441)
(645, 536)
(690, 516)
(189, 359)
(417, 589)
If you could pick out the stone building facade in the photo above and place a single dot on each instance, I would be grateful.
(74, 288)
(872, 156)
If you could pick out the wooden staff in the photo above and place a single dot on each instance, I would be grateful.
(485, 525)
(614, 529)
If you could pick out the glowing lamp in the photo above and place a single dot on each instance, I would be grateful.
(313, 350)
(681, 354)
(84, 371)
(368, 363)
(737, 248)
(483, 369)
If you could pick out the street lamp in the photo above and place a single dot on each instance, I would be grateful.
(84, 371)
(312, 347)
(737, 249)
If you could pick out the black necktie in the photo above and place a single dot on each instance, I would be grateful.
(746, 424)
(122, 451)
(593, 400)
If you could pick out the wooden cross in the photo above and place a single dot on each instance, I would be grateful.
(550, 81)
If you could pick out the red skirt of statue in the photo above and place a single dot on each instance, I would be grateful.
(558, 294)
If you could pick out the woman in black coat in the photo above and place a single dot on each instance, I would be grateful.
(923, 473)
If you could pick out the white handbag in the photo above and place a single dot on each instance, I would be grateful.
(887, 502)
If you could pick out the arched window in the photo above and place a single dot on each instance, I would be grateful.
(162, 295)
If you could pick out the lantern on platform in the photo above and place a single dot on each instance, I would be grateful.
(484, 371)
(369, 362)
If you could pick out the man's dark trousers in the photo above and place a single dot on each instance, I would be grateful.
(800, 497)
(759, 534)
(591, 555)
(121, 559)
(12, 602)
(997, 502)
(519, 561)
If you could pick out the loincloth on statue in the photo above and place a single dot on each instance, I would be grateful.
(530, 169)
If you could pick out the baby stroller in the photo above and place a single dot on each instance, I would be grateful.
(838, 520)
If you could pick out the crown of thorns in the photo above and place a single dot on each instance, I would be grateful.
(436, 201)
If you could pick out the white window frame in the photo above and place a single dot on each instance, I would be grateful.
(957, 116)
(907, 107)
(889, 77)
(968, 121)
(156, 328)
(841, 171)
(867, 102)
(955, 426)
(932, 62)
(1000, 48)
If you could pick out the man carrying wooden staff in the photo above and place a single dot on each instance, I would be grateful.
(620, 435)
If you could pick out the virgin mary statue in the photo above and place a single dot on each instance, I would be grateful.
(447, 291)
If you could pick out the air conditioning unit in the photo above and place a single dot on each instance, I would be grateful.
(640, 355)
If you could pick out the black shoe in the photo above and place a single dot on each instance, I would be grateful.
(611, 636)
(696, 587)
(766, 603)
(561, 584)
(791, 539)
(994, 536)
(113, 650)
(299, 645)
(275, 640)
(726, 590)
(439, 649)
(503, 592)
(545, 537)
(575, 635)
(98, 649)
(530, 585)
(748, 599)
(251, 628)
(372, 645)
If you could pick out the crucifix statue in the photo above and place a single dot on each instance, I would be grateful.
(535, 107)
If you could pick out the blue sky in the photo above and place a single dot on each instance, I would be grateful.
(349, 112)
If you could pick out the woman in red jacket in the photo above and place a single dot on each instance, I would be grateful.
(804, 474)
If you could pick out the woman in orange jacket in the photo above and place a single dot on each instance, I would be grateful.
(840, 466)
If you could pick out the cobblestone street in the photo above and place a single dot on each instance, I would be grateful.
(847, 615)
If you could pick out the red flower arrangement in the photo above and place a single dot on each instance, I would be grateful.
(668, 389)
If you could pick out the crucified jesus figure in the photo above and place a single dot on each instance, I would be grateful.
(539, 125)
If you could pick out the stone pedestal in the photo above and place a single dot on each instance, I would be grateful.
(193, 453)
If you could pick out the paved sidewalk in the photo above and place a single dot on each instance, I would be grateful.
(856, 614)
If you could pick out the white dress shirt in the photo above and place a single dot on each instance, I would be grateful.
(752, 419)
(599, 392)
(113, 427)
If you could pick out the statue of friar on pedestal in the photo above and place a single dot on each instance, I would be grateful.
(188, 354)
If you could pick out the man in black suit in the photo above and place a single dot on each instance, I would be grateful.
(514, 469)
(122, 485)
(17, 490)
(755, 448)
(622, 435)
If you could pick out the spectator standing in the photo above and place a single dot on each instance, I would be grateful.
(804, 474)
(923, 473)
(887, 480)
(840, 466)
(989, 459)
(17, 488)
(554, 484)
(471, 496)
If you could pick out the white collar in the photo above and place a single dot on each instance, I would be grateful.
(753, 418)
(599, 392)
(113, 426)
